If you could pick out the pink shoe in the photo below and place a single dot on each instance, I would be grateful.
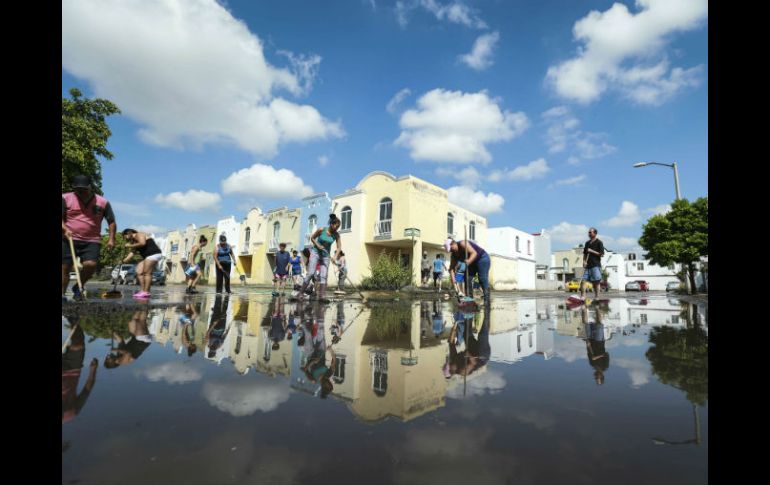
(142, 295)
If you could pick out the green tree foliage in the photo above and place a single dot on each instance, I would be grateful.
(109, 257)
(84, 135)
(679, 358)
(680, 236)
(387, 274)
(391, 322)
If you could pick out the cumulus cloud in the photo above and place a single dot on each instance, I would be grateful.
(468, 177)
(533, 170)
(571, 180)
(658, 210)
(480, 57)
(628, 215)
(452, 126)
(626, 51)
(245, 397)
(568, 233)
(476, 201)
(638, 371)
(491, 382)
(264, 181)
(136, 210)
(626, 242)
(150, 228)
(563, 134)
(191, 201)
(171, 373)
(396, 100)
(455, 12)
(538, 419)
(190, 74)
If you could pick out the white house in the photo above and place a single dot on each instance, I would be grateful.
(513, 243)
(656, 276)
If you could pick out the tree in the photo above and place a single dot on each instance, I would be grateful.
(680, 236)
(84, 135)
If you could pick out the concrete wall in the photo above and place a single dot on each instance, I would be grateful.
(504, 273)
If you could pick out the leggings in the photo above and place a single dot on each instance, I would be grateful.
(315, 258)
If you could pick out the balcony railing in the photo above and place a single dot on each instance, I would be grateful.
(274, 242)
(307, 239)
(382, 229)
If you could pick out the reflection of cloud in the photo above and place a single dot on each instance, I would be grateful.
(638, 371)
(490, 382)
(570, 349)
(537, 419)
(171, 372)
(245, 397)
(633, 341)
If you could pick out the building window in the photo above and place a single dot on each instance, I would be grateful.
(529, 247)
(640, 266)
(472, 230)
(643, 318)
(517, 245)
(450, 224)
(530, 340)
(347, 215)
(379, 362)
(565, 264)
(675, 319)
(277, 231)
(339, 370)
(518, 343)
(248, 236)
(386, 209)
(312, 223)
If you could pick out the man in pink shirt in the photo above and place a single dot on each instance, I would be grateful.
(82, 212)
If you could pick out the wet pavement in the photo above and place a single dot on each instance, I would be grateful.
(247, 388)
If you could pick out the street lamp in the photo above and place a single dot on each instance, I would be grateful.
(672, 165)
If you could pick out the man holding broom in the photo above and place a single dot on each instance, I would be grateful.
(82, 212)
(593, 250)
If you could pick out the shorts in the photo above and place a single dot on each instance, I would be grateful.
(192, 269)
(154, 257)
(85, 250)
(460, 278)
(280, 277)
(436, 276)
(426, 273)
(593, 274)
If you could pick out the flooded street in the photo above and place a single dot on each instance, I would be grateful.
(213, 389)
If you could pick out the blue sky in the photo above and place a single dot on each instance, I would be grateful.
(542, 106)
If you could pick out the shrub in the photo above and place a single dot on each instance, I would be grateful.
(387, 274)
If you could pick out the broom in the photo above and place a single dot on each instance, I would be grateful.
(467, 300)
(114, 293)
(75, 263)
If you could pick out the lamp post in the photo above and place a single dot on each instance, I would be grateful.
(670, 165)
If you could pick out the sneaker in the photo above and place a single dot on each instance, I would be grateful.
(187, 290)
(193, 291)
(76, 292)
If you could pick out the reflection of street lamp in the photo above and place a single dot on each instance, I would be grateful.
(696, 440)
(672, 165)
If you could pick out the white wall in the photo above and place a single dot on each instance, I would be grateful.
(656, 276)
(502, 241)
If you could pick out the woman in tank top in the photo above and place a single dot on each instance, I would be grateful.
(145, 246)
(320, 254)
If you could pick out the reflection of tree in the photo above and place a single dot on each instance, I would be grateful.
(104, 325)
(679, 358)
(391, 321)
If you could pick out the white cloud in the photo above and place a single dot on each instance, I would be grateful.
(452, 126)
(171, 373)
(468, 177)
(533, 170)
(562, 134)
(480, 56)
(638, 371)
(396, 100)
(658, 210)
(474, 201)
(191, 201)
(135, 210)
(570, 181)
(150, 228)
(190, 73)
(245, 397)
(264, 181)
(568, 233)
(323, 160)
(628, 215)
(455, 12)
(615, 38)
(491, 382)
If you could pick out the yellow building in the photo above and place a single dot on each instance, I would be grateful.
(172, 256)
(567, 262)
(378, 211)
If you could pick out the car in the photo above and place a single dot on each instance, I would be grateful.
(633, 286)
(118, 274)
(159, 277)
(130, 276)
(672, 286)
(643, 285)
(574, 285)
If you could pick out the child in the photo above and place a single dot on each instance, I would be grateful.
(196, 262)
(459, 277)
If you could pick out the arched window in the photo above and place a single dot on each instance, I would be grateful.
(277, 231)
(450, 224)
(529, 247)
(386, 209)
(248, 236)
(379, 363)
(312, 223)
(565, 264)
(472, 230)
(517, 245)
(347, 218)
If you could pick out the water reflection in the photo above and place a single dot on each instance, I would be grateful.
(72, 358)
(598, 357)
(131, 347)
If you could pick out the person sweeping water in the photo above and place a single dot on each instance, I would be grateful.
(322, 241)
(477, 262)
(151, 254)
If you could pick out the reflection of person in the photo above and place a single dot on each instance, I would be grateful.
(217, 331)
(437, 319)
(316, 368)
(277, 325)
(71, 364)
(339, 326)
(477, 350)
(187, 320)
(130, 350)
(598, 358)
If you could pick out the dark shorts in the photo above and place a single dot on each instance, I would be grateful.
(72, 359)
(436, 276)
(86, 251)
(426, 273)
